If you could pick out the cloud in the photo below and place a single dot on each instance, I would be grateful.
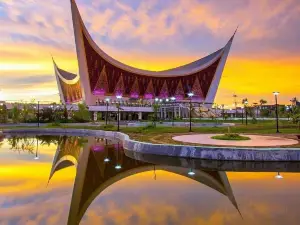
(151, 34)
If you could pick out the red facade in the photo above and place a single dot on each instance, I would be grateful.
(107, 79)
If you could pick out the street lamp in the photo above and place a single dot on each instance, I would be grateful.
(246, 111)
(276, 93)
(173, 99)
(118, 107)
(106, 115)
(191, 94)
(242, 115)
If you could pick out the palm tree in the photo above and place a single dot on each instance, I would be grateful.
(262, 102)
(155, 107)
(245, 101)
(294, 101)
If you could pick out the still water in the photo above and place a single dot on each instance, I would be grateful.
(88, 180)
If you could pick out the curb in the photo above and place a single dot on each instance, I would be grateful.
(197, 152)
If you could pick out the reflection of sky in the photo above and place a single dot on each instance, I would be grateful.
(25, 197)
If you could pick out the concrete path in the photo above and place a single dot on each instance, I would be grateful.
(256, 140)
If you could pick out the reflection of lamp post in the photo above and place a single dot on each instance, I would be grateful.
(118, 166)
(173, 113)
(118, 107)
(276, 93)
(106, 115)
(38, 113)
(191, 94)
(37, 149)
(191, 172)
(278, 176)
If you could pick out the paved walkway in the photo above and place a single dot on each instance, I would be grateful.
(256, 140)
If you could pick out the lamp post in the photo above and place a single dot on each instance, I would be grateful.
(156, 109)
(246, 112)
(235, 104)
(191, 94)
(242, 115)
(173, 113)
(276, 93)
(106, 114)
(118, 107)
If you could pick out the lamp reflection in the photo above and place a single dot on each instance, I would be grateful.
(278, 176)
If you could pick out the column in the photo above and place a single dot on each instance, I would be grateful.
(95, 116)
(140, 116)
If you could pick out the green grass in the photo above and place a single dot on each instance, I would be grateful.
(231, 137)
(260, 128)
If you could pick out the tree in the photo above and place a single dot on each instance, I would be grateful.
(82, 114)
(154, 116)
(245, 101)
(27, 112)
(262, 102)
(3, 113)
(66, 115)
(16, 113)
(294, 101)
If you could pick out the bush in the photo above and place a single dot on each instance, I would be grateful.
(56, 124)
(231, 137)
(107, 127)
(148, 127)
(82, 115)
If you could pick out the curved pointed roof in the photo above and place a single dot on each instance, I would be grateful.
(65, 76)
(187, 69)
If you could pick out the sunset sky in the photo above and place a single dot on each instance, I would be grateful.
(154, 35)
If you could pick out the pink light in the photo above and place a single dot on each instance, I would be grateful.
(148, 96)
(179, 97)
(134, 95)
(97, 148)
(163, 95)
(99, 92)
(118, 93)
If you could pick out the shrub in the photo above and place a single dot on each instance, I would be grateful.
(82, 114)
(107, 127)
(231, 137)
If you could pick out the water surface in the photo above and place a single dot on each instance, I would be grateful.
(88, 180)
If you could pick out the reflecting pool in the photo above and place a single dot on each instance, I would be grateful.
(88, 180)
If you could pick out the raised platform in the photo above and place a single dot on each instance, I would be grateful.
(255, 140)
(200, 152)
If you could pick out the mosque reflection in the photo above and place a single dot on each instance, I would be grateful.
(102, 162)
